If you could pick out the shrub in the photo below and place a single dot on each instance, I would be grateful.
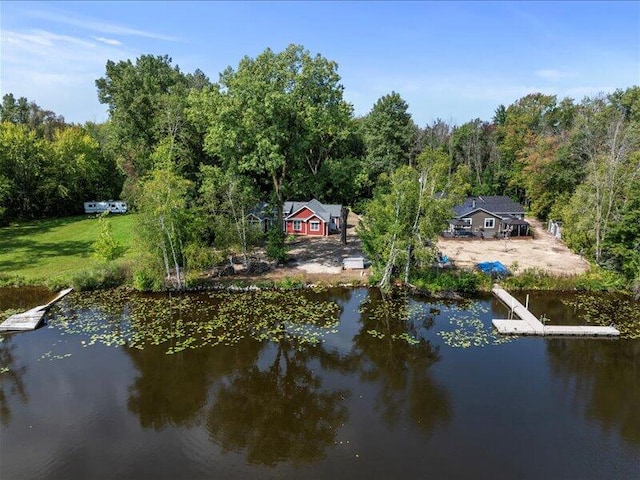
(276, 248)
(105, 276)
(146, 280)
(463, 281)
(289, 283)
(106, 248)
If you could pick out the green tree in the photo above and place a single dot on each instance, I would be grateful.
(228, 199)
(402, 221)
(611, 147)
(389, 136)
(162, 223)
(106, 247)
(146, 101)
(273, 116)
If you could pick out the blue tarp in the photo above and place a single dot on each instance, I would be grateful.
(493, 268)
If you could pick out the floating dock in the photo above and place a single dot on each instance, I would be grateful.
(31, 319)
(530, 325)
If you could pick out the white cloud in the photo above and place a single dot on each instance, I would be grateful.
(108, 41)
(56, 71)
(98, 25)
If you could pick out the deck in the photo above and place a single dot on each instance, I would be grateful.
(530, 325)
(31, 319)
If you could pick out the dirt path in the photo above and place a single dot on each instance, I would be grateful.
(543, 252)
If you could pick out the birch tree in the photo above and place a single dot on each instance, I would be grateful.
(162, 221)
(228, 199)
(402, 221)
(611, 146)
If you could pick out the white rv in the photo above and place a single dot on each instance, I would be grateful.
(112, 206)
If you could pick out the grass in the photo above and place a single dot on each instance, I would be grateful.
(37, 251)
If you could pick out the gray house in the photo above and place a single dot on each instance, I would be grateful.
(488, 216)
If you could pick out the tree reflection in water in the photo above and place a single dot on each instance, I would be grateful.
(11, 382)
(606, 378)
(173, 389)
(393, 352)
(282, 413)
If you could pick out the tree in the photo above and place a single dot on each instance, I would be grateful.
(228, 199)
(403, 219)
(274, 115)
(389, 136)
(106, 247)
(146, 101)
(162, 221)
(22, 112)
(611, 147)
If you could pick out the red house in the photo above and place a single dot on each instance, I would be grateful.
(311, 218)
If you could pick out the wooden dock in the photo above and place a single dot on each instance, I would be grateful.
(31, 319)
(530, 325)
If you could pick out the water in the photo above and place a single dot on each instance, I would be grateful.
(388, 392)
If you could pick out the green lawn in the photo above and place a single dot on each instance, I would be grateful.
(43, 249)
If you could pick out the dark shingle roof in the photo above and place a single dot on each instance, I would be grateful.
(496, 204)
(325, 212)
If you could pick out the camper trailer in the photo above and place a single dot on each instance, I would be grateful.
(112, 206)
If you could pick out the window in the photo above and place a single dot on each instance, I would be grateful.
(489, 223)
(297, 225)
(315, 226)
(467, 221)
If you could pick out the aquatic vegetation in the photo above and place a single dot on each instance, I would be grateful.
(469, 330)
(621, 311)
(189, 321)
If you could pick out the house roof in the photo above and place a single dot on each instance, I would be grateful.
(325, 212)
(496, 204)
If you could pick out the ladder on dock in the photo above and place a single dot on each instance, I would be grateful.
(31, 319)
(530, 325)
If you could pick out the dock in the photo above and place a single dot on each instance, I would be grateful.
(31, 319)
(530, 325)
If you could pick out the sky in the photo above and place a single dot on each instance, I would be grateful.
(454, 61)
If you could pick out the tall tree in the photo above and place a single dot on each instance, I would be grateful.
(146, 101)
(227, 199)
(162, 222)
(274, 115)
(389, 136)
(611, 146)
(404, 218)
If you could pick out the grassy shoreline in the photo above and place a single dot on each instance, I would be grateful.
(58, 252)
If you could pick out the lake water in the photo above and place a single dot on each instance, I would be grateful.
(333, 384)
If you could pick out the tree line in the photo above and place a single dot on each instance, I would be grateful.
(195, 156)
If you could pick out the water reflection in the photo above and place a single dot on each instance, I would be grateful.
(393, 352)
(605, 376)
(172, 390)
(284, 412)
(11, 378)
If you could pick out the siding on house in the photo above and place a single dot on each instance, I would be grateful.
(478, 222)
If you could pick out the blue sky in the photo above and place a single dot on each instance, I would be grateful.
(451, 60)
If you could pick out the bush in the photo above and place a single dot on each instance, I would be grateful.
(276, 248)
(288, 283)
(106, 248)
(147, 279)
(106, 276)
(463, 281)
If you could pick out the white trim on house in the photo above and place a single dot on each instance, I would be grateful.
(314, 226)
(490, 220)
